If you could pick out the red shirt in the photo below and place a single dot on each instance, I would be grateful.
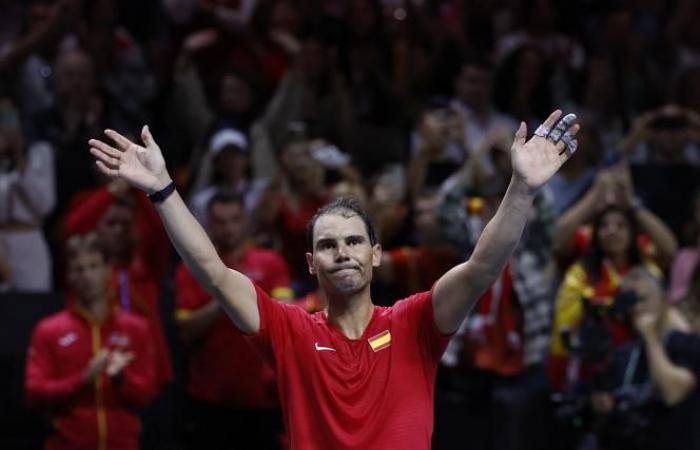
(291, 226)
(418, 268)
(103, 414)
(224, 368)
(375, 392)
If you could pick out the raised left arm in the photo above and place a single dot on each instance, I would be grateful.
(534, 162)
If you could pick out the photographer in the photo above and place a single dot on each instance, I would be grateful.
(654, 399)
(664, 156)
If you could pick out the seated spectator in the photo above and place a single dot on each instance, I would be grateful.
(27, 196)
(653, 400)
(137, 252)
(233, 401)
(91, 366)
(225, 168)
(308, 167)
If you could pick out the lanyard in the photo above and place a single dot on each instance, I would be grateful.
(124, 290)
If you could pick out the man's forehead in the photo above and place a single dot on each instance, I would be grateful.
(339, 226)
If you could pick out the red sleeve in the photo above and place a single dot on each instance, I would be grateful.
(138, 384)
(44, 391)
(418, 313)
(85, 211)
(276, 321)
(189, 295)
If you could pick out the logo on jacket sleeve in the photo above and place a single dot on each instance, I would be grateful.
(67, 339)
(380, 341)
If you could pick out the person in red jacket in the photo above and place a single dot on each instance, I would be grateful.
(91, 366)
(233, 397)
(137, 250)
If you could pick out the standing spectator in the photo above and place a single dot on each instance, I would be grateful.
(653, 401)
(474, 96)
(79, 110)
(612, 188)
(225, 167)
(416, 268)
(91, 366)
(293, 199)
(233, 398)
(595, 280)
(27, 196)
(137, 251)
(494, 363)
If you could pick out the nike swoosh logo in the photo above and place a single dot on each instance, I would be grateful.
(320, 349)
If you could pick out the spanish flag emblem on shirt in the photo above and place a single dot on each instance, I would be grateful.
(380, 341)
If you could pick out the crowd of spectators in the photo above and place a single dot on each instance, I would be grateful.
(267, 109)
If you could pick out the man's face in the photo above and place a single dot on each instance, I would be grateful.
(231, 164)
(343, 256)
(301, 167)
(74, 77)
(235, 95)
(116, 230)
(473, 86)
(227, 225)
(424, 219)
(87, 275)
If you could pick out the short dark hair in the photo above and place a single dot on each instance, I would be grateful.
(226, 197)
(347, 207)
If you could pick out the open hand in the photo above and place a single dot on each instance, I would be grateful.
(536, 160)
(118, 360)
(96, 365)
(141, 167)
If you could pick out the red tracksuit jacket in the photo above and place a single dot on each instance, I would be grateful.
(101, 415)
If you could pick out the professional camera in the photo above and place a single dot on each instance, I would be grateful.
(591, 343)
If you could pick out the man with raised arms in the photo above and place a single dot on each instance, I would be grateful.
(355, 376)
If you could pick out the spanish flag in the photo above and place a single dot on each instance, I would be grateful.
(380, 341)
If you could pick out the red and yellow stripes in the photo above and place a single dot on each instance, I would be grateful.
(380, 341)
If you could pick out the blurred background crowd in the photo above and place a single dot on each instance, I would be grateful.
(267, 109)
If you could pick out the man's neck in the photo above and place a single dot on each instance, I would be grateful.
(231, 253)
(97, 309)
(351, 314)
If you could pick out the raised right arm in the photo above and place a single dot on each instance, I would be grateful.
(144, 168)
